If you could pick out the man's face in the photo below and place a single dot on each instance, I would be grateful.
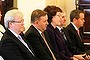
(80, 21)
(18, 25)
(42, 23)
(63, 19)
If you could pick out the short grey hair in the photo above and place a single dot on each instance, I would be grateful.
(10, 16)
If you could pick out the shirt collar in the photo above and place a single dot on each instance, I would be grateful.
(38, 30)
(74, 26)
(59, 28)
(14, 33)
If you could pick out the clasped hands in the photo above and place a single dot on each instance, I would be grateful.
(81, 57)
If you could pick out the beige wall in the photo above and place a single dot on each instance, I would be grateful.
(59, 3)
(65, 5)
(27, 6)
(70, 5)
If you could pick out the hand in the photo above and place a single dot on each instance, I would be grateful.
(74, 58)
(79, 57)
(87, 57)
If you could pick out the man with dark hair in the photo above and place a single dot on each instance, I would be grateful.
(77, 21)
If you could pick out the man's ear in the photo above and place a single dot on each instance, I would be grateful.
(74, 19)
(36, 22)
(10, 24)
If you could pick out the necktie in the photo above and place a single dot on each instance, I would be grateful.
(20, 38)
(78, 32)
(62, 32)
(48, 46)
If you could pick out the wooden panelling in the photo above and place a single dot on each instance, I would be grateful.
(84, 1)
(85, 6)
(6, 4)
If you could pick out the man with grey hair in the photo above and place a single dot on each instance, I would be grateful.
(13, 46)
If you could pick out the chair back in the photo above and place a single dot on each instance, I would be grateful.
(1, 58)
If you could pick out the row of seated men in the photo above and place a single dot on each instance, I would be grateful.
(46, 38)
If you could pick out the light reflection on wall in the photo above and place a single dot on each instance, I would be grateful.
(27, 6)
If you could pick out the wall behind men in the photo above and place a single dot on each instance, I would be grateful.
(27, 6)
(69, 6)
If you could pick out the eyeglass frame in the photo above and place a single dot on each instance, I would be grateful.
(17, 21)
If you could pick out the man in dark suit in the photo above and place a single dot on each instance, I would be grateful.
(63, 31)
(34, 35)
(62, 47)
(13, 46)
(77, 21)
(63, 41)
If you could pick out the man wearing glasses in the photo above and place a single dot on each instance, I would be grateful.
(13, 46)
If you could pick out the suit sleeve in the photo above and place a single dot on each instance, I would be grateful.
(10, 50)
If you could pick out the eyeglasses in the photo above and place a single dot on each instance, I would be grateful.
(18, 21)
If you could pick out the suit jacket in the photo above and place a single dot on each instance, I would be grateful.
(34, 38)
(62, 47)
(68, 41)
(13, 49)
(77, 45)
(51, 31)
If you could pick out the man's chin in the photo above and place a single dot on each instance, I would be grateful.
(81, 25)
(45, 29)
(23, 30)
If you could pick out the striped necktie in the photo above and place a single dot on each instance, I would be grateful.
(20, 38)
(62, 32)
(79, 34)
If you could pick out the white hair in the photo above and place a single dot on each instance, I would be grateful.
(10, 16)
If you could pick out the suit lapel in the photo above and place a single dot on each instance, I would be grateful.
(38, 34)
(28, 45)
(59, 35)
(15, 39)
(75, 33)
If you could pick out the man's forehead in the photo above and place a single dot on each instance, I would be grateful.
(81, 14)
